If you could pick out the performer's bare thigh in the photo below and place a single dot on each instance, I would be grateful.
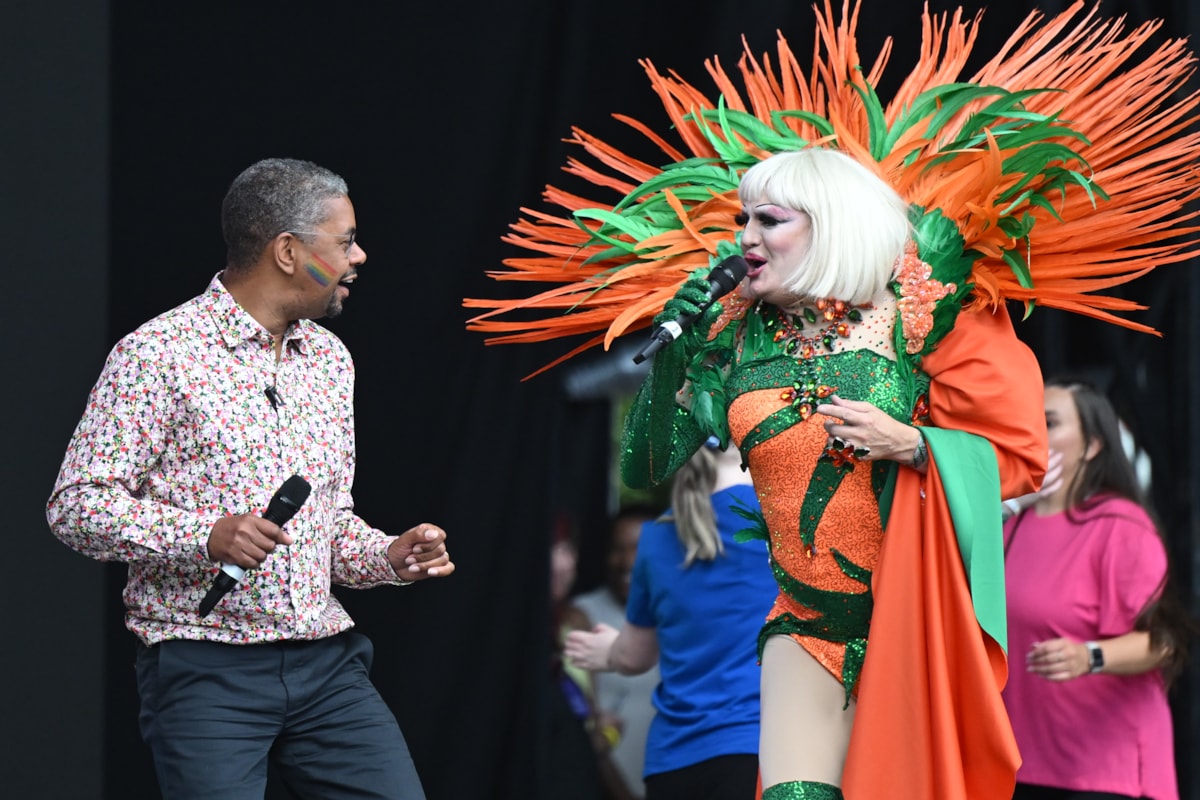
(805, 730)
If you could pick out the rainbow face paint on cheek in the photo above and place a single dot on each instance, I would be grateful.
(320, 270)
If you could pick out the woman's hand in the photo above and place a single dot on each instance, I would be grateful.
(1058, 659)
(869, 431)
(1051, 483)
(590, 649)
(1065, 659)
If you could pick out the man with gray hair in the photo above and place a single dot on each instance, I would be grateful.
(197, 418)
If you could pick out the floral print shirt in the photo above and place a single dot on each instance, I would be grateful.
(181, 430)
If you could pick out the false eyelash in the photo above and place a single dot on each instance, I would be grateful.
(741, 219)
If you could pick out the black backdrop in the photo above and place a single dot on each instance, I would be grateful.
(127, 124)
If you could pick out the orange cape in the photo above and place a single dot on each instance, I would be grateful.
(929, 707)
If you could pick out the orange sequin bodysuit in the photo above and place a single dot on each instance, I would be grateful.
(820, 504)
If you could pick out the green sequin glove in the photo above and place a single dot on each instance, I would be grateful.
(688, 300)
(659, 434)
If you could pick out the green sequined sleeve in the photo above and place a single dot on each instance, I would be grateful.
(659, 434)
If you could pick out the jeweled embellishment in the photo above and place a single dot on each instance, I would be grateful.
(920, 412)
(840, 456)
(734, 307)
(919, 295)
(837, 315)
(842, 453)
(804, 394)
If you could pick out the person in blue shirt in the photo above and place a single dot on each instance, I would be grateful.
(697, 601)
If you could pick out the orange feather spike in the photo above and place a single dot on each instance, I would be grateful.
(1129, 106)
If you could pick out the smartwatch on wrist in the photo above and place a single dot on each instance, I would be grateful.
(1095, 657)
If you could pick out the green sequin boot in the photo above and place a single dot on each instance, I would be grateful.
(802, 790)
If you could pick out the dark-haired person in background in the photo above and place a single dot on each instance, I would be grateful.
(698, 598)
(198, 416)
(623, 707)
(1092, 611)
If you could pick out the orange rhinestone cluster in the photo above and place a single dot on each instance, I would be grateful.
(804, 394)
(838, 316)
(919, 294)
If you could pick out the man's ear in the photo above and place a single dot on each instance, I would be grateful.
(284, 251)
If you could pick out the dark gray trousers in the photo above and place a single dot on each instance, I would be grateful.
(214, 714)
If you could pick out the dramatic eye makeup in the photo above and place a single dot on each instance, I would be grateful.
(769, 219)
(767, 215)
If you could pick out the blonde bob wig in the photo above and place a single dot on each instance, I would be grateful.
(859, 224)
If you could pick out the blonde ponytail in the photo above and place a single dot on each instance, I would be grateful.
(691, 499)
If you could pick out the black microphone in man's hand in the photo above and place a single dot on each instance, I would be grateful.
(721, 281)
(283, 507)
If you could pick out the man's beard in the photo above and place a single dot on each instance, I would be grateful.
(334, 307)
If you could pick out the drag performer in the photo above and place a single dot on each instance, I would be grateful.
(867, 368)
(836, 423)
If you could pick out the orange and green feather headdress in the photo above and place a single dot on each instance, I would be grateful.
(1063, 168)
